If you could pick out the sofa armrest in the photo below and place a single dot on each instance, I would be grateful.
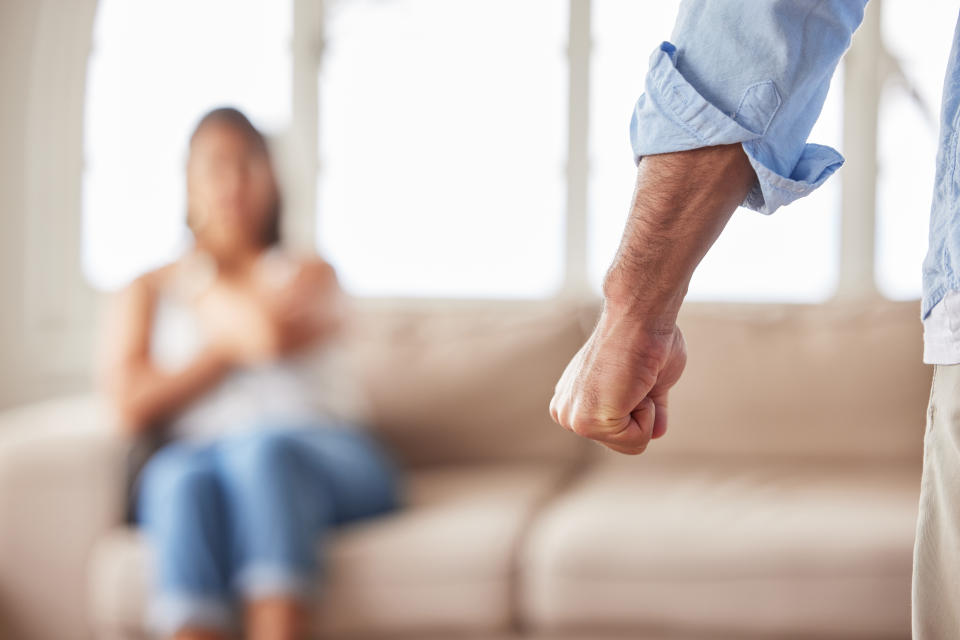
(61, 487)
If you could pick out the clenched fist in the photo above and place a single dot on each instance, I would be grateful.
(615, 388)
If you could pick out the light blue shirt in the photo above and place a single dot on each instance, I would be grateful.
(756, 72)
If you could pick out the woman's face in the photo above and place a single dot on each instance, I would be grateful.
(231, 189)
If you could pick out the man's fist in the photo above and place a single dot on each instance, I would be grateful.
(615, 388)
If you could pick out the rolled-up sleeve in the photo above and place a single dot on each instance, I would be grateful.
(754, 72)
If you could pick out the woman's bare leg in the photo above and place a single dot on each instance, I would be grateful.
(276, 618)
(198, 634)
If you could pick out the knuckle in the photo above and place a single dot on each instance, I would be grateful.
(554, 414)
(583, 426)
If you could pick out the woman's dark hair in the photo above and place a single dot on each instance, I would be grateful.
(236, 120)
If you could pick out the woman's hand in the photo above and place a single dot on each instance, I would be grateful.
(273, 318)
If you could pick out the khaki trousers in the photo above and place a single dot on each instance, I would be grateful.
(936, 554)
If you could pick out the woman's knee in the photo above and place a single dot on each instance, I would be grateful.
(175, 481)
(261, 454)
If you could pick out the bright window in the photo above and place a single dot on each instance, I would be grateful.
(789, 256)
(156, 67)
(443, 134)
(443, 139)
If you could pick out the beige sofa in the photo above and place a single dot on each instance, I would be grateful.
(781, 502)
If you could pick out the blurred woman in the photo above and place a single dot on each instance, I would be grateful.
(229, 352)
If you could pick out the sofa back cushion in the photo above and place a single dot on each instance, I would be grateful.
(453, 382)
(466, 382)
(837, 380)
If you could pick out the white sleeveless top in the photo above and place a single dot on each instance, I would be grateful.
(311, 388)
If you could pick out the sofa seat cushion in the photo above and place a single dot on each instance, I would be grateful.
(443, 563)
(725, 547)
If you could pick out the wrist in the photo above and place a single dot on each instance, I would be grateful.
(649, 321)
(644, 304)
(636, 335)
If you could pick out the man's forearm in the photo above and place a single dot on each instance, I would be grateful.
(680, 205)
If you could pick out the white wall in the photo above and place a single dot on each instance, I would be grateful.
(47, 309)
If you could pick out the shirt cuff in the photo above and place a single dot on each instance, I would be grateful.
(672, 116)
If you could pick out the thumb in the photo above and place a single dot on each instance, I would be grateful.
(635, 436)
